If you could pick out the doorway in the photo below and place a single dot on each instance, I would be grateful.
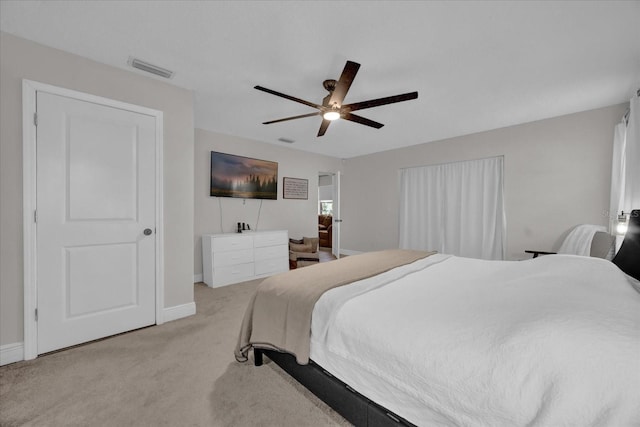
(329, 211)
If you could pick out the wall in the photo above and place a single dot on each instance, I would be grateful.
(557, 175)
(221, 214)
(22, 59)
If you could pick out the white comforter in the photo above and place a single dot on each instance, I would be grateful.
(552, 341)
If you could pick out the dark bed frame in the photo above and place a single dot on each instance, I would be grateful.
(353, 406)
(361, 411)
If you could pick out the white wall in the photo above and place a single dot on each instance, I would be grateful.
(22, 59)
(299, 217)
(557, 175)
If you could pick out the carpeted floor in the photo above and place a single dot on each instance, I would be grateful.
(182, 373)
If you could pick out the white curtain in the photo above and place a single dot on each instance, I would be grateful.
(455, 208)
(625, 168)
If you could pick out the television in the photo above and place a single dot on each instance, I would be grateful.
(243, 177)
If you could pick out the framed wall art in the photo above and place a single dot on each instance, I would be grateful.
(295, 188)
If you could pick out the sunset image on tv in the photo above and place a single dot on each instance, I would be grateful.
(243, 177)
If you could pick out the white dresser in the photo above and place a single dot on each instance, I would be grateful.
(235, 257)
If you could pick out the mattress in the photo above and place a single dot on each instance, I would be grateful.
(451, 341)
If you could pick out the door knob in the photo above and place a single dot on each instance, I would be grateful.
(147, 231)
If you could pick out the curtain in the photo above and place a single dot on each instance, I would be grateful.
(454, 208)
(625, 168)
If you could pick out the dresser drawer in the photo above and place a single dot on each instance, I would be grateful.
(232, 242)
(270, 252)
(271, 266)
(270, 239)
(233, 274)
(242, 256)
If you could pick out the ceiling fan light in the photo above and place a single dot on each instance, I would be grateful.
(331, 115)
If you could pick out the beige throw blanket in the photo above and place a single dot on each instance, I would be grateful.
(279, 314)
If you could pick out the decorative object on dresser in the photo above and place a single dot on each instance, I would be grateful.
(325, 230)
(303, 252)
(231, 257)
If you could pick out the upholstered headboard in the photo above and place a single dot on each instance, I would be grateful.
(628, 257)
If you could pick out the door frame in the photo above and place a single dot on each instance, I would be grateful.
(29, 169)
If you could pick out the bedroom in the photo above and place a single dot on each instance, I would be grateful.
(547, 192)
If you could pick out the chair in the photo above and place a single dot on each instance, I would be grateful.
(303, 252)
(325, 230)
(586, 240)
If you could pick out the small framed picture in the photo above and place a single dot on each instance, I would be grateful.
(295, 188)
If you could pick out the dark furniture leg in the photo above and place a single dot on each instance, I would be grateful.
(257, 356)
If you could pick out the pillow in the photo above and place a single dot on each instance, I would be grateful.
(313, 241)
(300, 248)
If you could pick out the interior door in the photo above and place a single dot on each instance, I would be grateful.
(95, 227)
(337, 219)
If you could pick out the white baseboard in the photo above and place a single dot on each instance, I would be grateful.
(11, 353)
(197, 278)
(349, 252)
(179, 311)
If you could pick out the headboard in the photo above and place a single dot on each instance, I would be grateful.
(628, 257)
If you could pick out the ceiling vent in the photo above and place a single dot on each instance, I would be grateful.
(150, 68)
(287, 140)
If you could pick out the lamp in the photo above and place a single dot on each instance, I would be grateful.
(622, 226)
(331, 115)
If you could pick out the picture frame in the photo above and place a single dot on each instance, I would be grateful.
(295, 188)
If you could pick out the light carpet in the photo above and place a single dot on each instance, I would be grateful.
(181, 373)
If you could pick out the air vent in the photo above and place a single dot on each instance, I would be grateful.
(150, 68)
(287, 140)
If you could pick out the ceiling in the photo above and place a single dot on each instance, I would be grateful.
(476, 65)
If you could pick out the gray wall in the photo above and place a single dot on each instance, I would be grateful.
(300, 217)
(557, 175)
(22, 59)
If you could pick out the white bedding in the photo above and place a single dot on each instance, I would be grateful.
(551, 341)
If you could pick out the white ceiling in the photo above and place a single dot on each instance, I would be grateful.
(476, 65)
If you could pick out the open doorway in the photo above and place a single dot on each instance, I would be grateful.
(329, 212)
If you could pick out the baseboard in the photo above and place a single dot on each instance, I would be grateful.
(11, 353)
(349, 252)
(197, 278)
(179, 311)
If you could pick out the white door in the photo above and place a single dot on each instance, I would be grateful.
(337, 219)
(95, 196)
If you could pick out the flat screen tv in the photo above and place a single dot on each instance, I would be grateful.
(243, 177)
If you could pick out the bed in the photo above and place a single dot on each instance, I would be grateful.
(439, 340)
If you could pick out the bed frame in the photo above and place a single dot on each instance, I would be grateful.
(353, 406)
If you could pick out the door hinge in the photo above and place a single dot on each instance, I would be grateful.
(35, 119)
(35, 216)
(36, 314)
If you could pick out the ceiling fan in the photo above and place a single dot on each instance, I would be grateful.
(332, 107)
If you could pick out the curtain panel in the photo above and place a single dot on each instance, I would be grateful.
(625, 167)
(454, 208)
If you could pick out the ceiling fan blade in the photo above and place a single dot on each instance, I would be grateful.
(361, 120)
(292, 118)
(289, 97)
(344, 83)
(380, 101)
(323, 126)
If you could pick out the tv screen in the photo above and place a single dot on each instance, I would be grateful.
(243, 177)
